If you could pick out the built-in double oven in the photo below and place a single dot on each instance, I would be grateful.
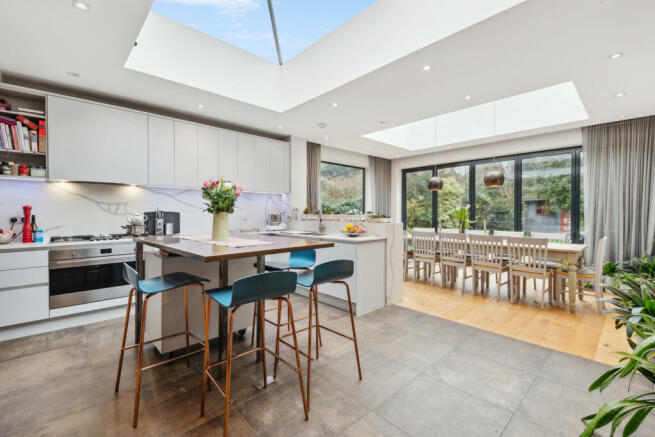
(89, 274)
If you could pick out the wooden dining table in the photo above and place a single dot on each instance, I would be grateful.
(573, 254)
(208, 252)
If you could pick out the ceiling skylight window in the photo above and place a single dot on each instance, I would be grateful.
(247, 24)
(551, 106)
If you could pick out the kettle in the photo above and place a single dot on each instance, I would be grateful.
(136, 220)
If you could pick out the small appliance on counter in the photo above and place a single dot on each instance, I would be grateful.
(135, 224)
(274, 222)
(171, 222)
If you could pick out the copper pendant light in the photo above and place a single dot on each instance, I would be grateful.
(435, 183)
(494, 178)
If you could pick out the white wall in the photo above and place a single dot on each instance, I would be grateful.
(341, 156)
(556, 140)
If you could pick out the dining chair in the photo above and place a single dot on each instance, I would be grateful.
(553, 237)
(424, 247)
(506, 234)
(450, 231)
(453, 256)
(408, 254)
(477, 232)
(149, 288)
(592, 274)
(255, 289)
(528, 258)
(488, 256)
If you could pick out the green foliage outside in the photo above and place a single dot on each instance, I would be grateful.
(418, 200)
(342, 189)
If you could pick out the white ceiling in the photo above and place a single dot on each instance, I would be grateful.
(533, 45)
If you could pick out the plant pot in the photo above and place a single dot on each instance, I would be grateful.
(220, 230)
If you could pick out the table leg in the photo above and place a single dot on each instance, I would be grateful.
(222, 311)
(573, 281)
(140, 269)
(257, 327)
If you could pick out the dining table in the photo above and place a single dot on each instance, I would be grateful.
(572, 254)
(207, 251)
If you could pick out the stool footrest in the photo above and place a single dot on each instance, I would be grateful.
(334, 332)
(132, 346)
(161, 363)
(299, 351)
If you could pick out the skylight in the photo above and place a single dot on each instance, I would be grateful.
(554, 105)
(247, 23)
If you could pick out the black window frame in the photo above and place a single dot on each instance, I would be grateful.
(363, 169)
(518, 186)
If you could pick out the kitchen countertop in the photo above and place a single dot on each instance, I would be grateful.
(18, 246)
(336, 238)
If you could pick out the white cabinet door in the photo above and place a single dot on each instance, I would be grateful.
(161, 151)
(22, 305)
(263, 165)
(207, 154)
(96, 143)
(186, 154)
(228, 156)
(247, 158)
(279, 167)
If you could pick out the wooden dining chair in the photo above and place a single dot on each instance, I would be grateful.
(449, 231)
(487, 256)
(584, 276)
(553, 237)
(408, 254)
(506, 234)
(424, 247)
(453, 257)
(528, 258)
(477, 232)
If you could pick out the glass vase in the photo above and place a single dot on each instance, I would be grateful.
(220, 231)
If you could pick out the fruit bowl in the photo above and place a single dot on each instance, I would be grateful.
(7, 237)
(352, 230)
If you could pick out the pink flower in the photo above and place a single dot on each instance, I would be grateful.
(238, 191)
(205, 184)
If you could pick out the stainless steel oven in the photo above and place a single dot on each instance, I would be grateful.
(89, 274)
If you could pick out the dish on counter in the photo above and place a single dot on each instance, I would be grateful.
(353, 230)
(7, 236)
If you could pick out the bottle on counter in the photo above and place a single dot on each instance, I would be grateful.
(33, 228)
(37, 234)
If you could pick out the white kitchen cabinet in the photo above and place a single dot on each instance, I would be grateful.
(279, 168)
(207, 154)
(186, 154)
(247, 159)
(228, 155)
(22, 305)
(96, 143)
(263, 165)
(161, 151)
(24, 293)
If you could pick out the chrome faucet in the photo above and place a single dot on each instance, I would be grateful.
(321, 224)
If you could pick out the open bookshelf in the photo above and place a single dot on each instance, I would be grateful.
(31, 149)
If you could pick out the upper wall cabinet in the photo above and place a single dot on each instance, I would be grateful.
(186, 154)
(161, 151)
(207, 154)
(280, 167)
(262, 164)
(247, 157)
(228, 155)
(96, 143)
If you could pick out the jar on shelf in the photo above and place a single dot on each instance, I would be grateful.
(23, 170)
(39, 171)
(5, 169)
(14, 168)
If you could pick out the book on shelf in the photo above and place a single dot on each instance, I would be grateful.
(31, 111)
(14, 136)
(27, 122)
(26, 139)
(43, 144)
(19, 133)
(34, 141)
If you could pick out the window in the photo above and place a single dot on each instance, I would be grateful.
(542, 192)
(494, 206)
(546, 182)
(418, 199)
(342, 189)
(453, 195)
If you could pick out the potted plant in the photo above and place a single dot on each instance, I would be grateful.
(221, 195)
(609, 272)
(461, 215)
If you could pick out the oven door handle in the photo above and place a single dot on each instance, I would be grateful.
(101, 260)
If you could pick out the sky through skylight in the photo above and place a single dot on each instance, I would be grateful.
(246, 23)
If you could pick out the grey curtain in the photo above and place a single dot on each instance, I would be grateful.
(313, 176)
(619, 187)
(380, 170)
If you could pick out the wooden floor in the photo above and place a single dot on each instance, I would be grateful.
(586, 334)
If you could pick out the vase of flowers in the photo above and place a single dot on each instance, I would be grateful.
(221, 196)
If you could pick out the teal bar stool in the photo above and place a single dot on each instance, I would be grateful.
(251, 289)
(150, 287)
(299, 260)
(333, 272)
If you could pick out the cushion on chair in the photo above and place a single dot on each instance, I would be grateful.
(168, 282)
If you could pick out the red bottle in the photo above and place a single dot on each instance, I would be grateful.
(27, 226)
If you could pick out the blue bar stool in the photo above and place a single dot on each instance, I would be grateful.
(333, 272)
(299, 260)
(251, 289)
(150, 287)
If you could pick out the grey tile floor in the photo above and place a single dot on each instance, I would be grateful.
(423, 376)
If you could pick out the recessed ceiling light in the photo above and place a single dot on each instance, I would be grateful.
(615, 56)
(426, 68)
(335, 104)
(73, 74)
(521, 134)
(467, 97)
(279, 126)
(201, 106)
(621, 94)
(81, 6)
(326, 138)
(382, 122)
(397, 155)
(621, 117)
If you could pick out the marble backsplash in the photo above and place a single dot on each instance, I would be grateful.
(64, 208)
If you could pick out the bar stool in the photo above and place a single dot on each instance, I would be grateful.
(150, 287)
(299, 260)
(251, 289)
(333, 272)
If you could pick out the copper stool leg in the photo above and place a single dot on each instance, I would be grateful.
(206, 308)
(186, 323)
(140, 363)
(228, 374)
(277, 338)
(309, 350)
(318, 324)
(262, 321)
(305, 399)
(127, 321)
(254, 319)
(352, 323)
